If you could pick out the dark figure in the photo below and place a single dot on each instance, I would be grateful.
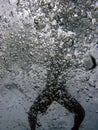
(56, 91)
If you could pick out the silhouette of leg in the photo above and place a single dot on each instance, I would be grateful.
(41, 104)
(78, 111)
(65, 99)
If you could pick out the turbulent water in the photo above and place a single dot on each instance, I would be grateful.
(32, 32)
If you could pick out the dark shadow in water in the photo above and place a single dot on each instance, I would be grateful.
(55, 91)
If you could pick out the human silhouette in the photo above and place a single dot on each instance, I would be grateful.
(56, 91)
